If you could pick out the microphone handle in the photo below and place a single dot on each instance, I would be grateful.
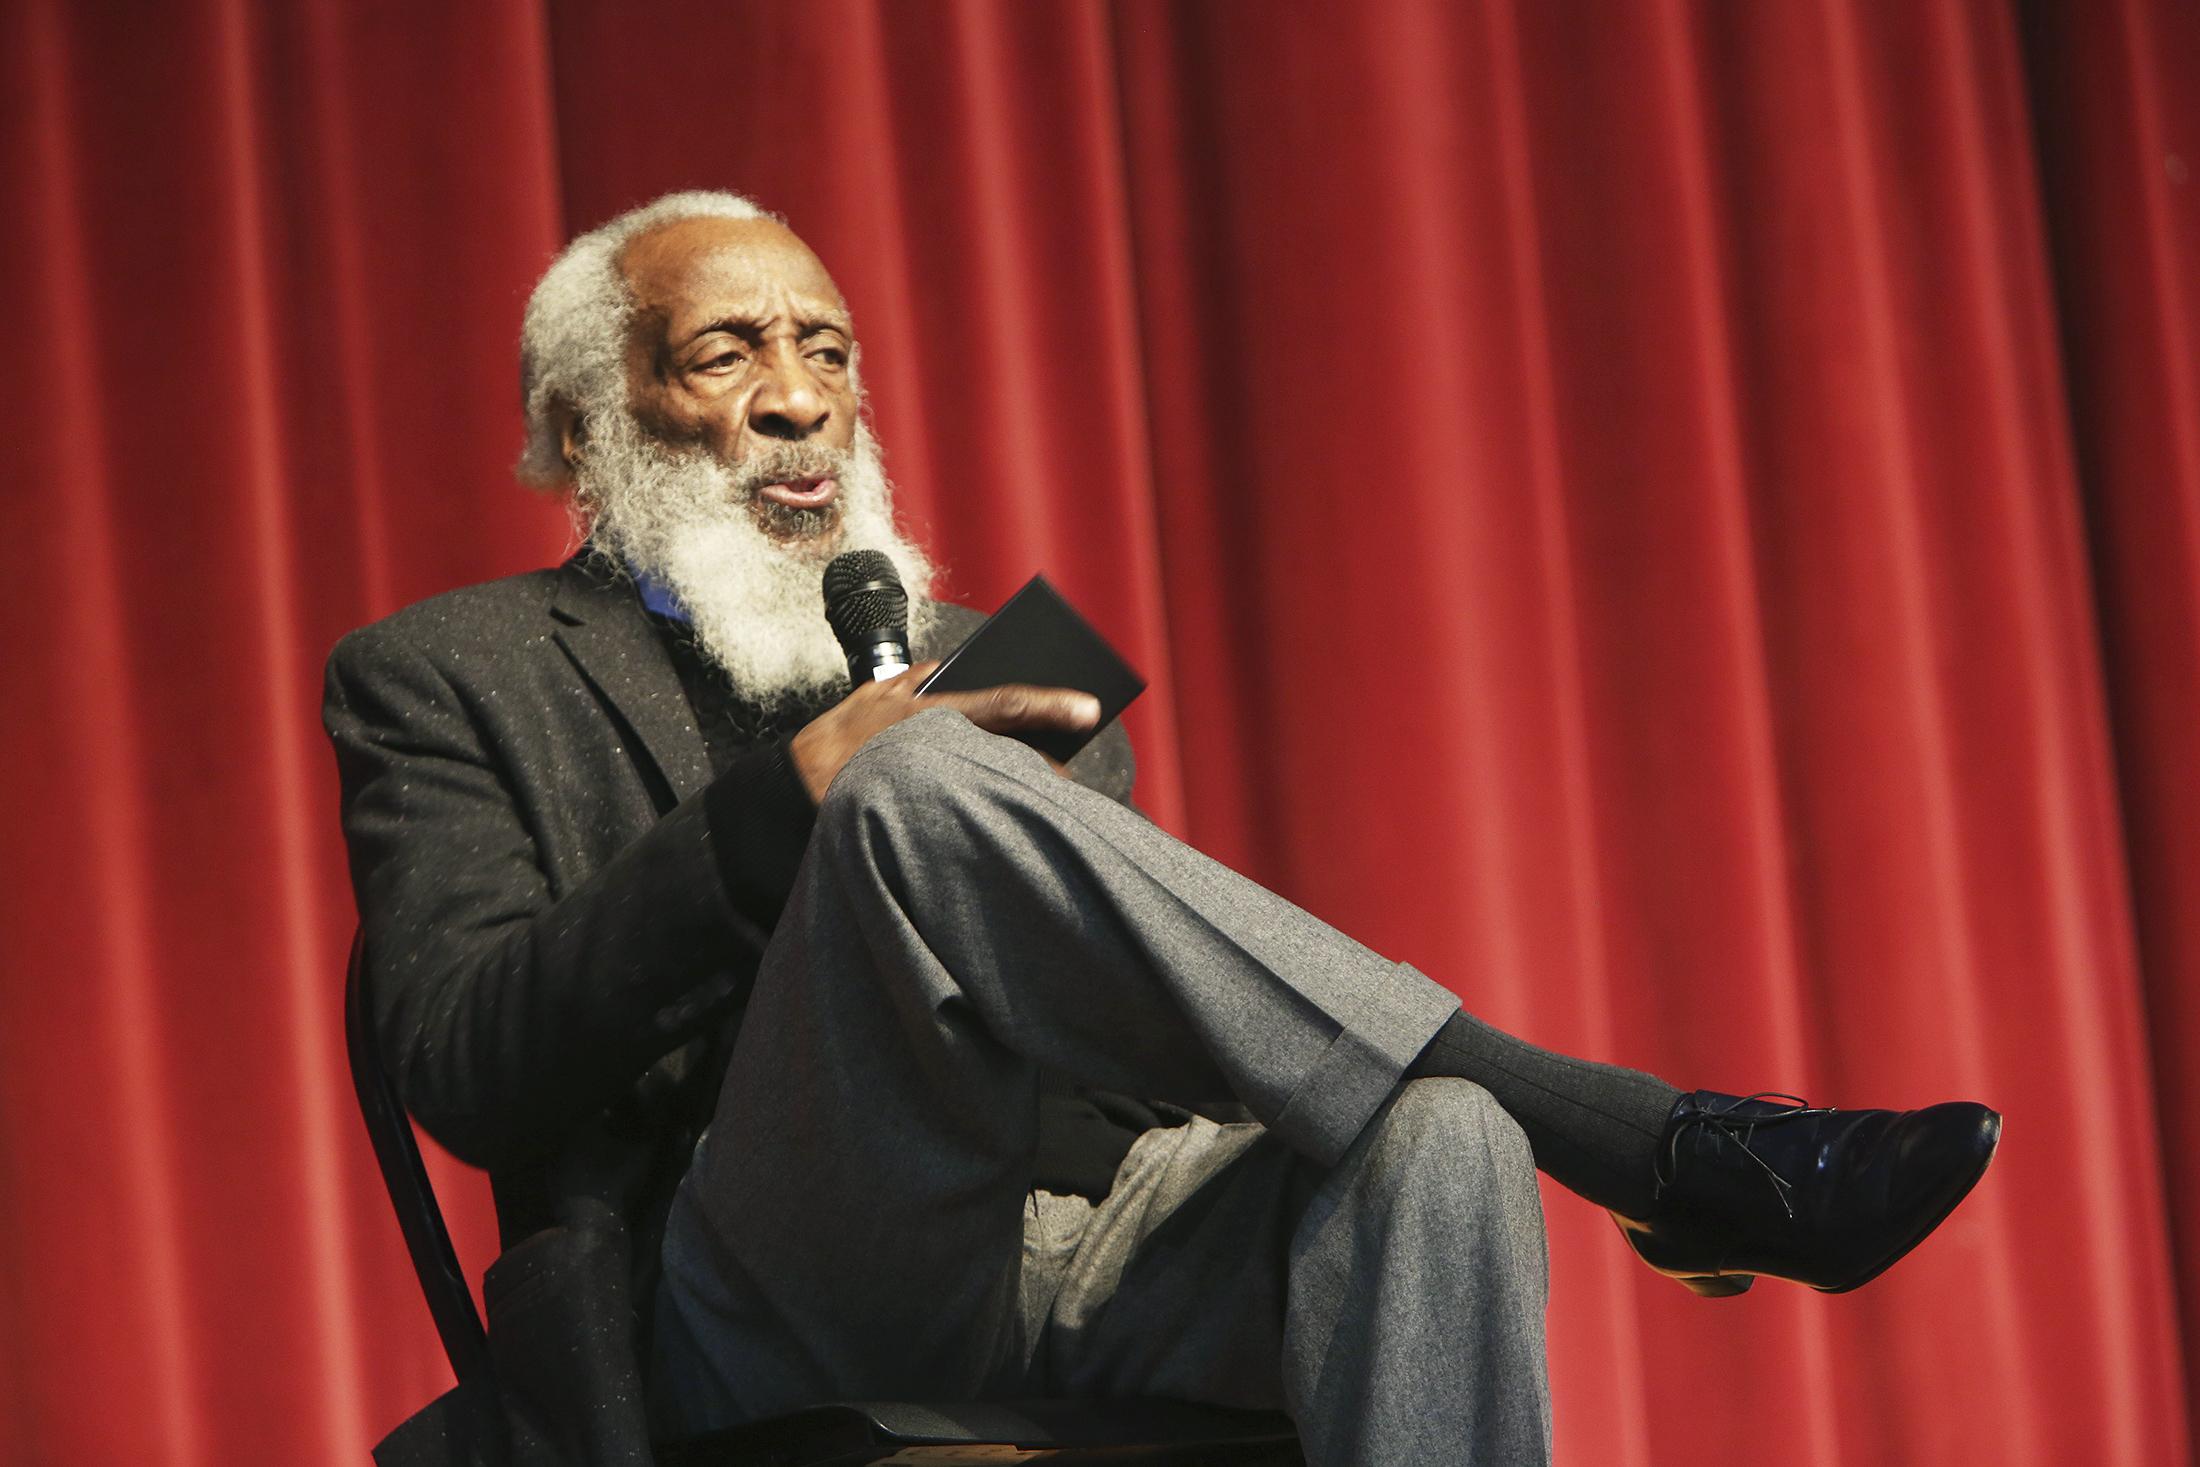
(877, 655)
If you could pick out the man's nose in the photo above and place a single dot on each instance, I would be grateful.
(789, 403)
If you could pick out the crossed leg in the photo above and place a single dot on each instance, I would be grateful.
(854, 1223)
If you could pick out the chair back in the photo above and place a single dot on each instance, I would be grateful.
(405, 1176)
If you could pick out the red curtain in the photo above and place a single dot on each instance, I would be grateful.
(1682, 520)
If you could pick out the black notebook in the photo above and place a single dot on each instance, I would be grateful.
(1037, 637)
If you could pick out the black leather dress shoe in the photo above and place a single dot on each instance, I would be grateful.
(1828, 1198)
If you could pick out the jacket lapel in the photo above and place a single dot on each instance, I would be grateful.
(602, 627)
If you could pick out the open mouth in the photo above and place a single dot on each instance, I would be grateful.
(808, 493)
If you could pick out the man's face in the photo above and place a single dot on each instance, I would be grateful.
(741, 345)
(737, 468)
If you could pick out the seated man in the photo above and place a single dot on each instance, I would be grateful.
(840, 995)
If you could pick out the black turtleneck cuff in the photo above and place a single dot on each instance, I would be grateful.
(760, 820)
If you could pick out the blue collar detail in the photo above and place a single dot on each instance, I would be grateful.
(657, 596)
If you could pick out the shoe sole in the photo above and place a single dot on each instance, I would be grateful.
(1702, 1285)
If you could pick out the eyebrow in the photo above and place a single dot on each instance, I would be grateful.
(746, 327)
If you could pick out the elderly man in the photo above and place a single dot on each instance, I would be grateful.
(838, 999)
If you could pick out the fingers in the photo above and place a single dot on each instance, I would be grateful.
(1016, 706)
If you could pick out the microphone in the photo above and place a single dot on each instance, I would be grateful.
(869, 613)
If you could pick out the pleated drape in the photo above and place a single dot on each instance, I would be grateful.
(1681, 520)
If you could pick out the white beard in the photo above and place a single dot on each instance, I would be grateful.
(753, 595)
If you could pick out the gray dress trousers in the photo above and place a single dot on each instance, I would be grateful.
(857, 1222)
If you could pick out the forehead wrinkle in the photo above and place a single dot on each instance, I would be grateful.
(735, 270)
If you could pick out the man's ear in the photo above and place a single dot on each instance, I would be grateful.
(572, 435)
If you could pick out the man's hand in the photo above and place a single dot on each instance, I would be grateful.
(831, 739)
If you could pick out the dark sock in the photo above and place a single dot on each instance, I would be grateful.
(1594, 1128)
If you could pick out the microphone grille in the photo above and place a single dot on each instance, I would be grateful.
(863, 593)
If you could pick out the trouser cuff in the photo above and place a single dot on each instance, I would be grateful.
(1363, 1065)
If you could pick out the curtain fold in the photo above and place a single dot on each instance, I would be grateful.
(1680, 520)
(2117, 130)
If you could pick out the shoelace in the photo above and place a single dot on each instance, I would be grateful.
(1738, 1129)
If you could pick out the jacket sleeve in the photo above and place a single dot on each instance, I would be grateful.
(506, 1015)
